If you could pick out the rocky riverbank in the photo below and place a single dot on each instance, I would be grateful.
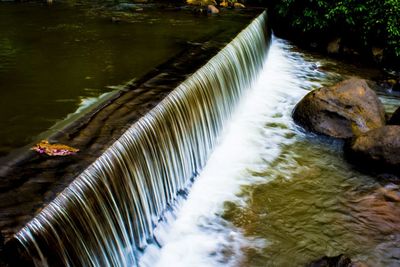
(351, 110)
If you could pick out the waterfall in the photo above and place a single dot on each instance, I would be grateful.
(107, 215)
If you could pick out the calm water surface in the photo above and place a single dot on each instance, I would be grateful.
(56, 59)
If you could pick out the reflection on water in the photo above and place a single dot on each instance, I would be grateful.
(50, 55)
(304, 211)
(273, 195)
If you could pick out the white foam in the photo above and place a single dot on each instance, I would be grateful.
(198, 236)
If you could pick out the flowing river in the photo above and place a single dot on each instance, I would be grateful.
(274, 195)
(217, 174)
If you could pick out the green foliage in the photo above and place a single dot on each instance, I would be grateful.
(367, 22)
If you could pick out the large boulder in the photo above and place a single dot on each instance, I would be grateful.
(344, 110)
(377, 148)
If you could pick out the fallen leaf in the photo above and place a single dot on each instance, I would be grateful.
(44, 147)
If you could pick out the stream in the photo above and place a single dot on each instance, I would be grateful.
(272, 194)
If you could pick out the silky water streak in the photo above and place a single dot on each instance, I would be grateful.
(106, 217)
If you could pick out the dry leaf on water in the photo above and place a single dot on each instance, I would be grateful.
(44, 147)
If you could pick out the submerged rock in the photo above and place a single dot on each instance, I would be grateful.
(379, 211)
(390, 193)
(379, 147)
(128, 6)
(336, 261)
(209, 10)
(344, 110)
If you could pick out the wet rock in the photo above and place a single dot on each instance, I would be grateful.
(337, 261)
(344, 110)
(395, 118)
(382, 208)
(378, 148)
(224, 3)
(334, 46)
(390, 193)
(201, 2)
(211, 9)
(377, 54)
(387, 84)
(390, 82)
(199, 11)
(239, 5)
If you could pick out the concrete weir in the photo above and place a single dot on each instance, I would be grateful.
(29, 181)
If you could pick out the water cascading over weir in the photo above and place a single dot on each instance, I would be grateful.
(107, 215)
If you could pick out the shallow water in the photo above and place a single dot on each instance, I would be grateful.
(55, 60)
(273, 195)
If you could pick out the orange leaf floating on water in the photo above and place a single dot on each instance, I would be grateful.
(44, 147)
